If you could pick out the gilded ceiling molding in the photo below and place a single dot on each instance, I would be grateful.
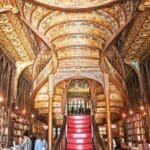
(145, 4)
(13, 39)
(12, 29)
(8, 8)
(75, 4)
(137, 41)
(50, 22)
(118, 32)
(4, 10)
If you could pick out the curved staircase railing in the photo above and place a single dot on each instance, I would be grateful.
(60, 143)
(97, 140)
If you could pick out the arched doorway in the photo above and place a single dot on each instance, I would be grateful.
(78, 97)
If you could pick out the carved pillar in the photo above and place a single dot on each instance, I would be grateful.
(93, 96)
(50, 117)
(108, 112)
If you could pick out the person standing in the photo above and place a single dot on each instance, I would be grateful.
(38, 143)
(33, 139)
(26, 143)
(44, 143)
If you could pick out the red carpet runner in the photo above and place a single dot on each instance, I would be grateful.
(79, 133)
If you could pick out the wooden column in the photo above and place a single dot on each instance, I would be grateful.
(50, 117)
(109, 131)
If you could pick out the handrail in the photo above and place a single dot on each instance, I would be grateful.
(62, 133)
(96, 135)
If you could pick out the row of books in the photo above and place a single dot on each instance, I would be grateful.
(135, 128)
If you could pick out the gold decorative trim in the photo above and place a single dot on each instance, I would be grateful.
(74, 4)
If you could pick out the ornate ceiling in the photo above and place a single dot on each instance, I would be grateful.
(78, 88)
(74, 4)
(79, 37)
(13, 40)
(137, 42)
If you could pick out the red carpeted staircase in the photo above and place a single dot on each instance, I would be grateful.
(79, 133)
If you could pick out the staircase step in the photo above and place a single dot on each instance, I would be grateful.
(79, 135)
(82, 130)
(79, 117)
(79, 147)
(79, 126)
(79, 141)
(84, 121)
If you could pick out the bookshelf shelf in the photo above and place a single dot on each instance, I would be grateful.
(19, 125)
(135, 128)
(3, 126)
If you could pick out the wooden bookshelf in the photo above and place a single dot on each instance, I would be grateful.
(3, 127)
(121, 129)
(117, 130)
(19, 125)
(135, 128)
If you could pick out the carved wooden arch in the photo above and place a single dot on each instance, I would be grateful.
(137, 72)
(69, 80)
(61, 77)
(18, 71)
(145, 73)
(133, 94)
